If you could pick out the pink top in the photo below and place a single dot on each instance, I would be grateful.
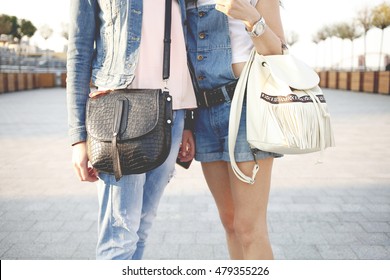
(149, 73)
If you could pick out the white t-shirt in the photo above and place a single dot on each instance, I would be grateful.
(241, 42)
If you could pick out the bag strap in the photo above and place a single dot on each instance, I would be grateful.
(234, 121)
(167, 40)
(119, 110)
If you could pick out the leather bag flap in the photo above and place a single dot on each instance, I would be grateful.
(142, 117)
(292, 71)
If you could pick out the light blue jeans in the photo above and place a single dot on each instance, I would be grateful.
(128, 207)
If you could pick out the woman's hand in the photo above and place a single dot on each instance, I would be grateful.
(80, 163)
(239, 9)
(187, 147)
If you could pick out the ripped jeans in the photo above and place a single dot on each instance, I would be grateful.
(128, 207)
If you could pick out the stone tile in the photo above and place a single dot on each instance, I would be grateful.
(309, 238)
(37, 206)
(82, 237)
(365, 252)
(351, 217)
(220, 252)
(347, 227)
(25, 237)
(23, 252)
(210, 238)
(335, 200)
(180, 238)
(376, 226)
(191, 251)
(52, 237)
(278, 252)
(332, 252)
(379, 207)
(71, 215)
(377, 216)
(76, 226)
(3, 235)
(282, 238)
(42, 215)
(337, 238)
(373, 238)
(162, 252)
(15, 216)
(290, 227)
(189, 226)
(381, 199)
(86, 251)
(302, 252)
(316, 227)
(4, 247)
(60, 251)
(12, 226)
(46, 226)
(300, 207)
(305, 199)
(330, 207)
(348, 207)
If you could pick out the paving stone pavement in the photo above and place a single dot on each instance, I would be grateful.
(339, 209)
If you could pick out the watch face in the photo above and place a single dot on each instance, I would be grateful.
(259, 27)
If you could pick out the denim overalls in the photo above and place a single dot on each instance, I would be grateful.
(209, 47)
(210, 55)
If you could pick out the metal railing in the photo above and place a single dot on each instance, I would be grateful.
(11, 61)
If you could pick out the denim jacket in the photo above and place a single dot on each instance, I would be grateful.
(104, 40)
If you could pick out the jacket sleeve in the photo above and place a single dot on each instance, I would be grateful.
(82, 31)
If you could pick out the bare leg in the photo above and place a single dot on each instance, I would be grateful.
(217, 177)
(250, 206)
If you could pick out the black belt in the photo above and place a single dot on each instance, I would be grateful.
(212, 97)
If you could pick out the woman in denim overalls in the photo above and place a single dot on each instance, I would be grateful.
(213, 26)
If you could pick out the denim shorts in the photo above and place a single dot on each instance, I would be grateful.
(211, 136)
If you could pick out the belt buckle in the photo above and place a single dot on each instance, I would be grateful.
(205, 99)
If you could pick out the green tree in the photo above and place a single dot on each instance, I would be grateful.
(381, 20)
(5, 25)
(27, 28)
(15, 27)
(11, 25)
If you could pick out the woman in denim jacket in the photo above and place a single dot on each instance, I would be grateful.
(221, 35)
(119, 44)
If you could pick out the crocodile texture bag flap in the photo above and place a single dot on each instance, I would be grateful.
(129, 131)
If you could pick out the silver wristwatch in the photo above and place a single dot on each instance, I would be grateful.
(258, 28)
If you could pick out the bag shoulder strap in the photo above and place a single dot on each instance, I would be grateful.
(234, 121)
(167, 40)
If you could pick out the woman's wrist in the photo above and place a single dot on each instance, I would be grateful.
(251, 20)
